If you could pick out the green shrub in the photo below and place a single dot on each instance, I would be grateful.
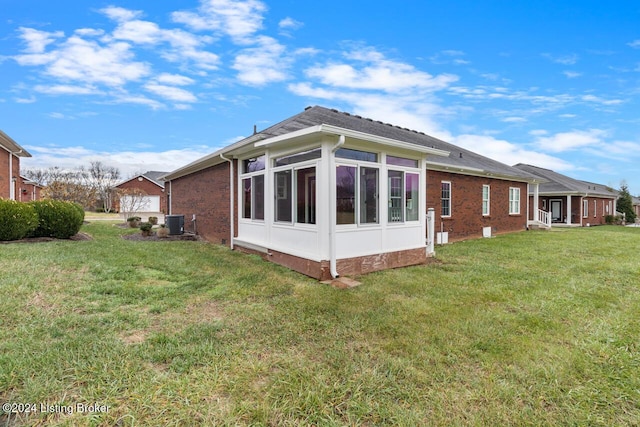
(57, 218)
(17, 220)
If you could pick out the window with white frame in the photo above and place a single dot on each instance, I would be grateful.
(585, 208)
(514, 201)
(295, 188)
(403, 195)
(445, 198)
(253, 188)
(356, 191)
(595, 208)
(486, 201)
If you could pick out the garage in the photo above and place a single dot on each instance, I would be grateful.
(142, 203)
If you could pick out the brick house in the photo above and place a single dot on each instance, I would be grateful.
(571, 202)
(328, 193)
(155, 199)
(29, 190)
(10, 180)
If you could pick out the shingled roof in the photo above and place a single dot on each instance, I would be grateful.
(558, 183)
(459, 160)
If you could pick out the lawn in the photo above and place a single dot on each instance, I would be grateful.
(532, 328)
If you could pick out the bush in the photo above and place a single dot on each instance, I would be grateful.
(57, 218)
(146, 227)
(153, 220)
(17, 220)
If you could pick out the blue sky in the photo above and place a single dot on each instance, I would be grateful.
(154, 85)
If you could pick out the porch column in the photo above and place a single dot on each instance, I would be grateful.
(536, 201)
(569, 210)
(431, 228)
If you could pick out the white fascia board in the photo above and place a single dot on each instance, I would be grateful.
(335, 130)
(11, 146)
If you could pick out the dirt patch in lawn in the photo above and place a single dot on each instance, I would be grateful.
(77, 238)
(154, 237)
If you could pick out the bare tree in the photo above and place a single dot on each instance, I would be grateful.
(132, 200)
(102, 179)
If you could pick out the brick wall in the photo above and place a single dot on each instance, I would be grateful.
(205, 194)
(5, 178)
(466, 219)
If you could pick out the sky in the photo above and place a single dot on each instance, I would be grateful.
(154, 85)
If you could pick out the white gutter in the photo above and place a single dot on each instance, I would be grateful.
(332, 208)
(231, 206)
(170, 198)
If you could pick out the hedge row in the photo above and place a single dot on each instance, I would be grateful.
(43, 218)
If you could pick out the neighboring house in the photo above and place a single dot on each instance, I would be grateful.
(10, 154)
(29, 190)
(636, 207)
(327, 193)
(155, 199)
(571, 202)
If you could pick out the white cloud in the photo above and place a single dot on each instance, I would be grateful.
(567, 141)
(37, 40)
(598, 100)
(175, 79)
(289, 24)
(571, 74)
(171, 93)
(634, 44)
(29, 100)
(514, 119)
(88, 62)
(570, 59)
(372, 71)
(509, 153)
(237, 19)
(128, 162)
(265, 63)
(67, 90)
(120, 14)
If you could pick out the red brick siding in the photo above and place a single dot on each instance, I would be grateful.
(148, 187)
(205, 194)
(466, 219)
(5, 178)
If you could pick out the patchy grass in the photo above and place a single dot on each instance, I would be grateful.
(537, 328)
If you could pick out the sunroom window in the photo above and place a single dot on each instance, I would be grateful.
(356, 190)
(403, 196)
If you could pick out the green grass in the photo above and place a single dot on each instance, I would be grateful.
(536, 328)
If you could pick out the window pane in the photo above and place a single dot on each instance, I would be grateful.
(514, 200)
(253, 165)
(283, 196)
(306, 195)
(298, 157)
(347, 153)
(246, 198)
(368, 195)
(485, 200)
(345, 194)
(446, 199)
(258, 197)
(401, 161)
(412, 199)
(395, 196)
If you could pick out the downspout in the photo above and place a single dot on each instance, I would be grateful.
(170, 208)
(231, 206)
(332, 208)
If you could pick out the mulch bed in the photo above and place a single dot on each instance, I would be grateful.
(78, 238)
(154, 237)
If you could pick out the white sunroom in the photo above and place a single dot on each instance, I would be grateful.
(327, 195)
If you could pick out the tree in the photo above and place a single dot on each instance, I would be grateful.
(625, 203)
(132, 200)
(102, 179)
